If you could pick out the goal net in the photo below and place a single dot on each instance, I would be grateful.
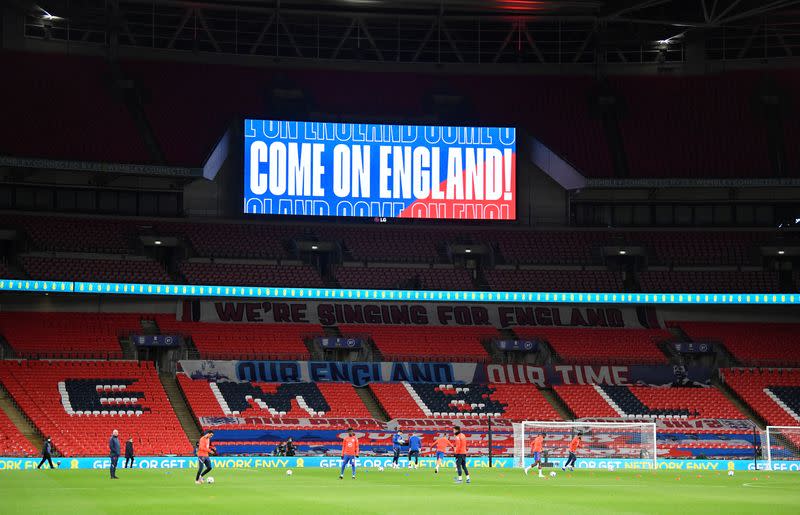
(783, 444)
(600, 441)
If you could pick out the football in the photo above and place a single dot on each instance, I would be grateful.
(210, 480)
(730, 473)
(611, 468)
(553, 474)
(380, 469)
(289, 472)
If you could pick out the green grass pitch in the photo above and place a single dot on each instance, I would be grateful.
(319, 491)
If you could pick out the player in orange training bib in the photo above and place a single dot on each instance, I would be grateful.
(536, 451)
(573, 448)
(440, 446)
(349, 452)
(460, 450)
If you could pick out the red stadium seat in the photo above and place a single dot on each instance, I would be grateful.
(413, 343)
(68, 335)
(243, 341)
(602, 346)
(751, 343)
(38, 388)
(12, 441)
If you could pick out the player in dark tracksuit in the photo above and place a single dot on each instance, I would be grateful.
(113, 452)
(47, 451)
(414, 446)
(129, 455)
(398, 440)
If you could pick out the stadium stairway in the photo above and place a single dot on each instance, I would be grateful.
(180, 407)
(372, 404)
(555, 401)
(737, 401)
(19, 419)
(6, 350)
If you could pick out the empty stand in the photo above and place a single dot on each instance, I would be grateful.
(585, 401)
(396, 401)
(711, 281)
(83, 117)
(751, 343)
(243, 341)
(256, 241)
(392, 245)
(698, 126)
(413, 343)
(68, 335)
(672, 126)
(79, 403)
(404, 278)
(261, 402)
(646, 402)
(245, 274)
(550, 247)
(774, 394)
(604, 346)
(69, 234)
(523, 402)
(425, 400)
(555, 280)
(12, 441)
(701, 248)
(672, 402)
(101, 270)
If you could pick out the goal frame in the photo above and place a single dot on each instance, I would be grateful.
(768, 434)
(523, 447)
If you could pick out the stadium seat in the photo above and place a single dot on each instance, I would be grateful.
(68, 335)
(243, 340)
(283, 403)
(414, 343)
(425, 400)
(751, 343)
(555, 280)
(602, 346)
(247, 274)
(46, 268)
(34, 385)
(12, 441)
(404, 278)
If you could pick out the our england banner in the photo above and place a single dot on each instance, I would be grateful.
(375, 170)
(362, 373)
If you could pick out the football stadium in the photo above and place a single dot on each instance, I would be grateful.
(384, 256)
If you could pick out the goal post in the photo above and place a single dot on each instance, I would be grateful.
(600, 440)
(783, 444)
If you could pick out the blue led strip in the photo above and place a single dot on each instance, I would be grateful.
(35, 286)
(272, 292)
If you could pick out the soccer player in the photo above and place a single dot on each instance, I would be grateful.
(398, 440)
(536, 450)
(414, 446)
(203, 461)
(573, 448)
(47, 451)
(460, 451)
(441, 446)
(349, 452)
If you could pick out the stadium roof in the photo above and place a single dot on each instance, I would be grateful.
(438, 31)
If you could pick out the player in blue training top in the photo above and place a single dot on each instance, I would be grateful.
(414, 446)
(398, 441)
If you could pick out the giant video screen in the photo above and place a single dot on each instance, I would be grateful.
(374, 170)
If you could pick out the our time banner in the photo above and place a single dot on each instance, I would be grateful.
(374, 170)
